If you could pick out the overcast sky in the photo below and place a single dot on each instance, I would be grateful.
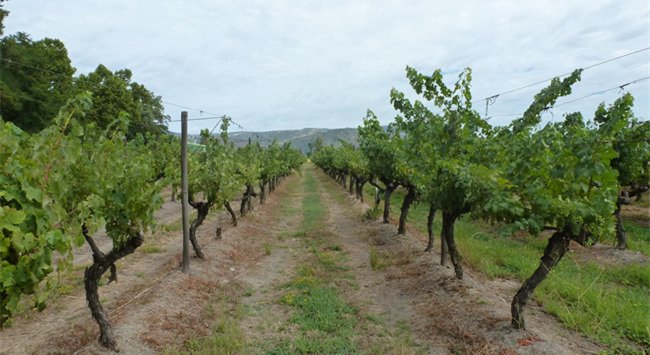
(295, 64)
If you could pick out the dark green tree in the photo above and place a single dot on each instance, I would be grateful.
(3, 14)
(35, 80)
(113, 93)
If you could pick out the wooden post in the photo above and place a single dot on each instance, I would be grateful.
(443, 250)
(185, 198)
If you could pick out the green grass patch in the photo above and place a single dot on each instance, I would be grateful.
(226, 338)
(327, 324)
(150, 249)
(638, 237)
(372, 213)
(325, 321)
(378, 260)
(312, 208)
(226, 335)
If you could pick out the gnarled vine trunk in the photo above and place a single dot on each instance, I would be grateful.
(262, 192)
(621, 236)
(359, 188)
(430, 216)
(93, 273)
(244, 200)
(351, 185)
(173, 197)
(387, 192)
(202, 209)
(557, 246)
(448, 222)
(233, 216)
(406, 204)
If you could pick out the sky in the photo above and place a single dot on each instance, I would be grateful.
(276, 64)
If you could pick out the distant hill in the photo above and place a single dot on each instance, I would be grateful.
(299, 138)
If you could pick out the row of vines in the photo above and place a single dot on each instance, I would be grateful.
(61, 185)
(567, 177)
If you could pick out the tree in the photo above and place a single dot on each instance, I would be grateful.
(114, 92)
(35, 80)
(3, 14)
(315, 146)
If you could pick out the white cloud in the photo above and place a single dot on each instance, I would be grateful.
(286, 64)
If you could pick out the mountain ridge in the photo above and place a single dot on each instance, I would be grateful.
(299, 138)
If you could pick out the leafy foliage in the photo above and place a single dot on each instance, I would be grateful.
(55, 182)
(113, 93)
(34, 88)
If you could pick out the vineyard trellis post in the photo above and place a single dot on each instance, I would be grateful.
(185, 195)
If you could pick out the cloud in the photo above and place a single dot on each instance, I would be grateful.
(286, 64)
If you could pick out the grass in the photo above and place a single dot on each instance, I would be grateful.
(378, 260)
(177, 225)
(226, 338)
(150, 249)
(381, 260)
(638, 237)
(610, 304)
(372, 213)
(326, 322)
(312, 208)
(267, 248)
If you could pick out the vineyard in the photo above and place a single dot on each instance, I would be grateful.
(439, 232)
(562, 186)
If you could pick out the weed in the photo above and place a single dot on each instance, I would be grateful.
(333, 247)
(378, 260)
(267, 248)
(64, 289)
(372, 214)
(226, 338)
(150, 249)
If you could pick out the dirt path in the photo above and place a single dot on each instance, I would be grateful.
(446, 314)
